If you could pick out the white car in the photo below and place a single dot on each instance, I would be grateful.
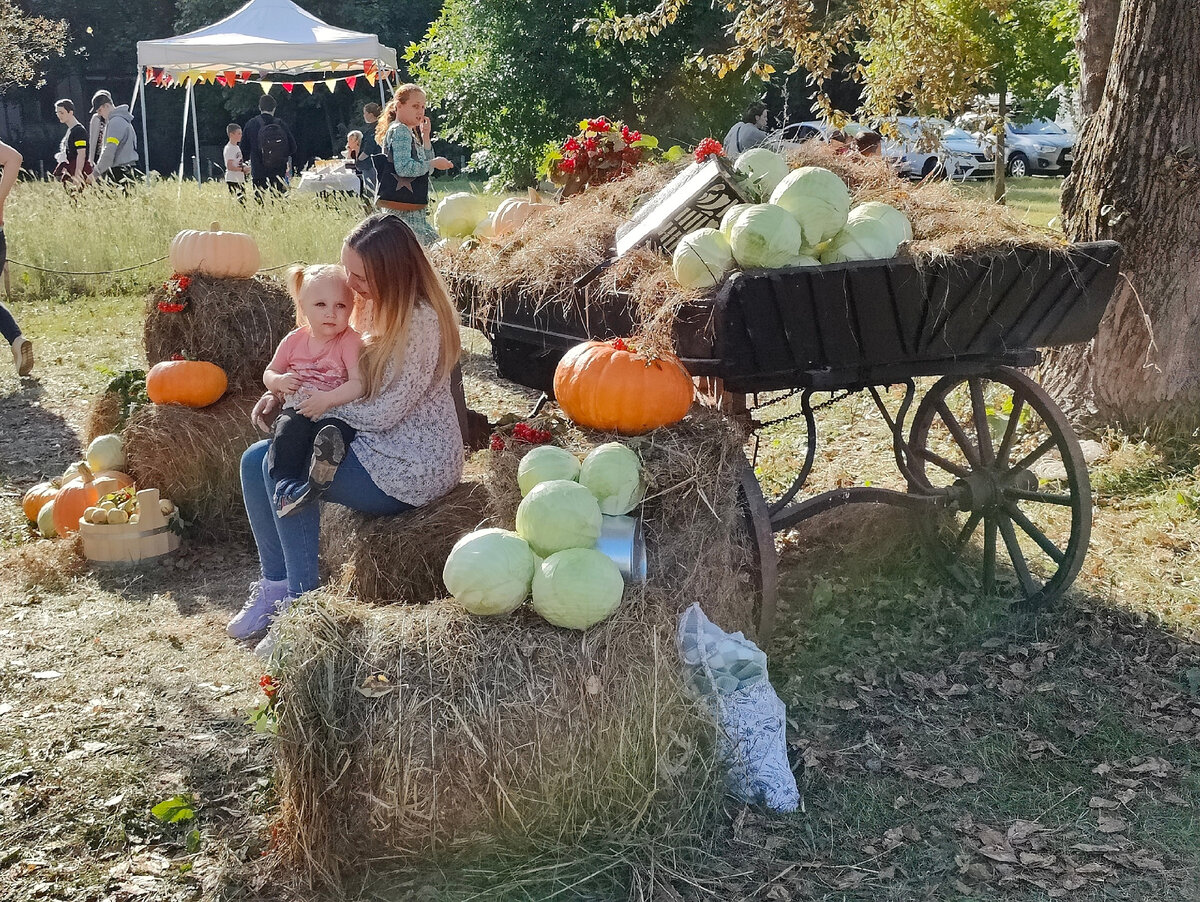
(1038, 147)
(797, 133)
(933, 147)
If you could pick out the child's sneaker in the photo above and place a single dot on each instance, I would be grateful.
(22, 351)
(329, 450)
(289, 496)
(255, 615)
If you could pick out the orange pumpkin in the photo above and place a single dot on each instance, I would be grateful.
(124, 480)
(36, 498)
(607, 386)
(223, 255)
(73, 499)
(192, 383)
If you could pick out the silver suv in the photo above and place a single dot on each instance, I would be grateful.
(1038, 147)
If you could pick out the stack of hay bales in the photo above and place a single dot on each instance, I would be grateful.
(510, 731)
(191, 454)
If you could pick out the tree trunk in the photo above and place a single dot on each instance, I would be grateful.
(999, 189)
(1097, 31)
(1137, 179)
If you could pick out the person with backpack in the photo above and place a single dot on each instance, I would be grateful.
(403, 168)
(268, 144)
(119, 156)
(750, 132)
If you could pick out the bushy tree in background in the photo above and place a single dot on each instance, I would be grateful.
(26, 42)
(509, 76)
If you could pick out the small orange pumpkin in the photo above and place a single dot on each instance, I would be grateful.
(607, 386)
(124, 480)
(73, 499)
(192, 383)
(36, 498)
(223, 255)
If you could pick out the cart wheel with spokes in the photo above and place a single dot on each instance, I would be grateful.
(756, 520)
(1003, 455)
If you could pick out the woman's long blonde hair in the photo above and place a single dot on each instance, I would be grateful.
(400, 277)
(389, 112)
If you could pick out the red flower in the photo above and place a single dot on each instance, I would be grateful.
(566, 165)
(571, 145)
(709, 147)
(589, 144)
(497, 442)
(599, 125)
(268, 684)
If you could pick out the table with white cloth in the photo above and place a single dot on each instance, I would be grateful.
(327, 176)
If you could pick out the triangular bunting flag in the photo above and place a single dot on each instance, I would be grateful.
(331, 83)
(287, 86)
(221, 81)
(371, 78)
(368, 67)
(245, 76)
(351, 80)
(159, 75)
(231, 78)
(309, 86)
(266, 86)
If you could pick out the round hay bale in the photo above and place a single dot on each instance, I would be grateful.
(234, 323)
(192, 455)
(388, 559)
(503, 731)
(104, 416)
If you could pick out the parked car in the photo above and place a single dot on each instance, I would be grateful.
(1038, 147)
(931, 147)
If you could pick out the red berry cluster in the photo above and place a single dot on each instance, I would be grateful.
(269, 686)
(176, 288)
(709, 147)
(497, 442)
(618, 344)
(523, 432)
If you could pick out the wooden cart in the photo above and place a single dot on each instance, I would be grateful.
(984, 450)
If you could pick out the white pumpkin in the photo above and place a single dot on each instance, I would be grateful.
(223, 255)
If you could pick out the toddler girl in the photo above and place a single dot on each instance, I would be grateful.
(315, 368)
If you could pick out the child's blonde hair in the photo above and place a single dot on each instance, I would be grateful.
(299, 276)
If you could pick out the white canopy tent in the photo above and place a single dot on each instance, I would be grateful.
(269, 41)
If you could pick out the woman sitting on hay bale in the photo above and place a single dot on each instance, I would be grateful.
(408, 450)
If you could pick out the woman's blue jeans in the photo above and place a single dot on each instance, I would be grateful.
(287, 546)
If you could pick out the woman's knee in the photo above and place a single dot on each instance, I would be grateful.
(254, 461)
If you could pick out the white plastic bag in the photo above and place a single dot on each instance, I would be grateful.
(729, 673)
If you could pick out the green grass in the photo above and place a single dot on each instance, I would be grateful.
(1036, 200)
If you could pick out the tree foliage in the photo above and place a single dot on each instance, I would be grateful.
(26, 42)
(512, 75)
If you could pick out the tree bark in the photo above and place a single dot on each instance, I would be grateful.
(1097, 31)
(1137, 180)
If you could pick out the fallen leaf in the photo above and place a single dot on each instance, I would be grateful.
(1154, 766)
(1022, 830)
(1092, 847)
(1030, 860)
(376, 686)
(1112, 824)
(997, 853)
(593, 685)
(1098, 802)
(1149, 864)
(972, 775)
(1125, 796)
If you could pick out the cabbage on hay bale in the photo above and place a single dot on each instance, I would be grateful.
(234, 323)
(401, 558)
(490, 571)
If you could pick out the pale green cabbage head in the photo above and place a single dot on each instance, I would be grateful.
(701, 259)
(818, 199)
(730, 215)
(544, 463)
(558, 514)
(577, 588)
(762, 168)
(764, 236)
(489, 571)
(865, 239)
(885, 213)
(613, 473)
(457, 215)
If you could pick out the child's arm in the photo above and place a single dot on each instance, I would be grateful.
(280, 383)
(318, 403)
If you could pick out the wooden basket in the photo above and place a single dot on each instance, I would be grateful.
(127, 543)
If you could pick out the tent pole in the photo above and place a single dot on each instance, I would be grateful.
(187, 103)
(196, 141)
(140, 91)
(380, 81)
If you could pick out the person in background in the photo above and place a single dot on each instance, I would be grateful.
(839, 141)
(22, 347)
(353, 151)
(268, 144)
(96, 126)
(408, 450)
(366, 165)
(235, 167)
(750, 132)
(118, 159)
(869, 144)
(404, 132)
(72, 155)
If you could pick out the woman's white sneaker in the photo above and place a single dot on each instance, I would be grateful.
(255, 615)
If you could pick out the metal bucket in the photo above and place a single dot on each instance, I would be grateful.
(622, 541)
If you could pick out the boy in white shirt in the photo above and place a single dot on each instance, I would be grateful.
(235, 169)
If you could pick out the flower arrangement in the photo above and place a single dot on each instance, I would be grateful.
(709, 147)
(176, 300)
(603, 151)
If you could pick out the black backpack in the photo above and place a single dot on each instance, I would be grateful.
(392, 187)
(273, 144)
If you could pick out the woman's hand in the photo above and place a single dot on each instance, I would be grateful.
(426, 131)
(441, 163)
(265, 412)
